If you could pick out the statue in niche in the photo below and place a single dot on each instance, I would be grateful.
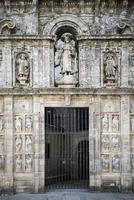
(105, 163)
(105, 123)
(28, 123)
(18, 124)
(110, 68)
(28, 143)
(22, 68)
(66, 58)
(115, 123)
(28, 162)
(1, 144)
(115, 163)
(18, 162)
(18, 143)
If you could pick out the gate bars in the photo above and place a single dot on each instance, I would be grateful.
(66, 147)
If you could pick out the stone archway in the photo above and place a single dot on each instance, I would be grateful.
(66, 20)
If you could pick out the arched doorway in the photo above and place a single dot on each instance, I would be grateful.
(83, 160)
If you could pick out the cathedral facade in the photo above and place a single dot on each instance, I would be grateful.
(66, 95)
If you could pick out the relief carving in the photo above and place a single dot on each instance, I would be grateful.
(132, 124)
(18, 143)
(18, 163)
(1, 144)
(28, 143)
(105, 163)
(131, 68)
(115, 143)
(105, 142)
(22, 69)
(1, 162)
(1, 124)
(105, 123)
(6, 26)
(115, 123)
(28, 163)
(115, 163)
(18, 124)
(28, 123)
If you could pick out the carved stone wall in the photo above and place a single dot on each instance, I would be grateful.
(103, 32)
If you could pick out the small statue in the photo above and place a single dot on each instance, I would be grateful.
(115, 162)
(110, 68)
(22, 68)
(105, 123)
(115, 123)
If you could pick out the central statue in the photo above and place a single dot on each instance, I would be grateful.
(66, 56)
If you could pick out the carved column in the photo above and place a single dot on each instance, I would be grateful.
(8, 107)
(94, 143)
(126, 179)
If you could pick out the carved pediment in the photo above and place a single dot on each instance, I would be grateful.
(6, 26)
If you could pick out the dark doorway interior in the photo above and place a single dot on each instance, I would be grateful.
(66, 148)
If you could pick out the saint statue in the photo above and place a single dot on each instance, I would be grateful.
(66, 55)
(110, 68)
(18, 142)
(22, 68)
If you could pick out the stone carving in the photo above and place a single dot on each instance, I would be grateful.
(18, 143)
(105, 163)
(115, 123)
(22, 68)
(18, 163)
(132, 124)
(131, 68)
(6, 26)
(28, 163)
(105, 123)
(1, 144)
(28, 143)
(132, 161)
(66, 59)
(115, 163)
(18, 124)
(110, 68)
(115, 143)
(1, 124)
(1, 162)
(105, 142)
(28, 123)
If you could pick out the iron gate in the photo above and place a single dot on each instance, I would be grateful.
(66, 148)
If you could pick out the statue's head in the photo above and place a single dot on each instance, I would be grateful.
(67, 37)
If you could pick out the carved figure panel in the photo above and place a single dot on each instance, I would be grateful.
(115, 163)
(18, 163)
(105, 163)
(115, 143)
(18, 144)
(105, 123)
(132, 144)
(28, 163)
(1, 144)
(115, 123)
(110, 67)
(28, 123)
(22, 69)
(28, 143)
(132, 162)
(131, 68)
(18, 124)
(132, 123)
(1, 163)
(105, 143)
(1, 124)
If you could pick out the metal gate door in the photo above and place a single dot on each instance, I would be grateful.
(66, 148)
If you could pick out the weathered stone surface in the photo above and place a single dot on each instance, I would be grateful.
(102, 37)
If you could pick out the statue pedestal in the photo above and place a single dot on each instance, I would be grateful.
(110, 82)
(22, 80)
(68, 81)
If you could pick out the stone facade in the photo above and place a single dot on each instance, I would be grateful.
(103, 35)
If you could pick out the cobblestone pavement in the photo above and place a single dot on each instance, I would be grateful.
(70, 195)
